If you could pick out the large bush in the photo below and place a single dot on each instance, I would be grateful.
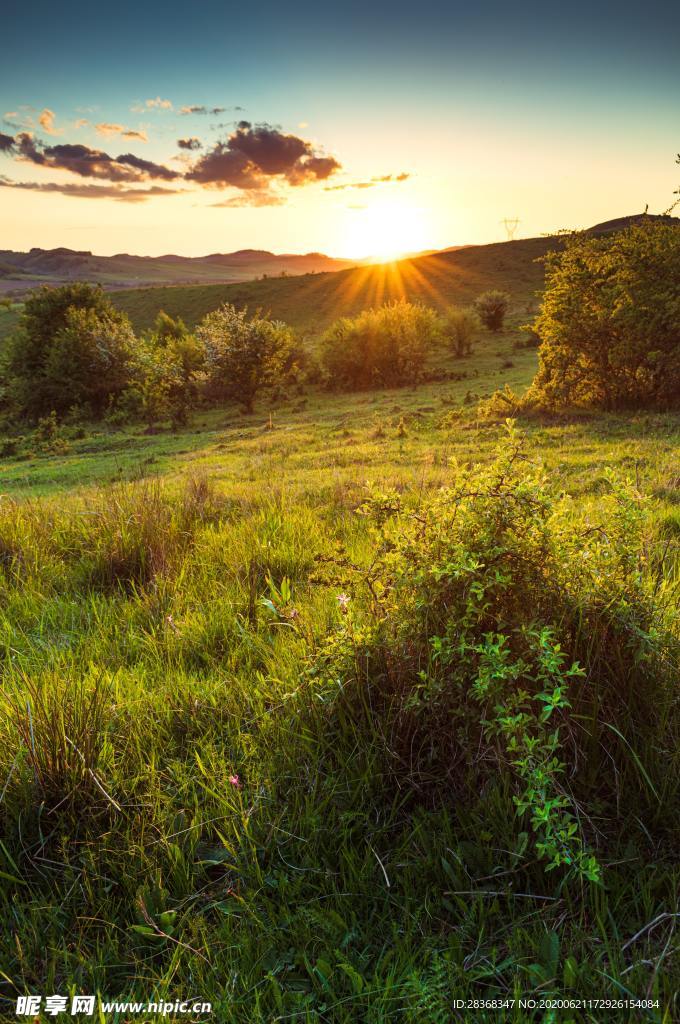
(89, 360)
(70, 347)
(243, 355)
(384, 347)
(458, 328)
(610, 320)
(491, 308)
(501, 641)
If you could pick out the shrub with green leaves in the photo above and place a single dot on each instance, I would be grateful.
(242, 354)
(610, 320)
(384, 347)
(71, 347)
(485, 648)
(491, 307)
(458, 328)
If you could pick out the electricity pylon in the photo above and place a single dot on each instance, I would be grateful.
(510, 224)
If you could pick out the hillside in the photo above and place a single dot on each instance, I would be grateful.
(311, 301)
(22, 271)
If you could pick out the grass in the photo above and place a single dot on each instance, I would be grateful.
(150, 655)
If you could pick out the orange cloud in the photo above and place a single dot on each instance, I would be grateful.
(46, 121)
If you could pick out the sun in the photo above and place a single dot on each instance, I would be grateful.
(386, 231)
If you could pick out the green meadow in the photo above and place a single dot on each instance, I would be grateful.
(206, 789)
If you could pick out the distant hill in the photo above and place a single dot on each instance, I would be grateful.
(311, 302)
(22, 271)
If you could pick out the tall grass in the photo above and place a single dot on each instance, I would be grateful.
(196, 797)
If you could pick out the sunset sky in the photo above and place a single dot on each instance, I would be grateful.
(352, 129)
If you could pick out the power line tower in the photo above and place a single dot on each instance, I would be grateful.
(510, 224)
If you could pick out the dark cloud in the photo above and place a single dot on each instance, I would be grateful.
(252, 155)
(200, 109)
(90, 163)
(148, 168)
(192, 143)
(6, 143)
(118, 192)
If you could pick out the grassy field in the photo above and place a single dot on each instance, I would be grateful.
(191, 809)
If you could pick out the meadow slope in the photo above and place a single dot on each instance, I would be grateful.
(310, 302)
(197, 800)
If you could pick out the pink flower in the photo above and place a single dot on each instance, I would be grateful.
(343, 601)
(235, 782)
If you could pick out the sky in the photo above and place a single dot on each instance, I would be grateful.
(355, 129)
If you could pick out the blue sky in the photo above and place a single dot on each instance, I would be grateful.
(558, 114)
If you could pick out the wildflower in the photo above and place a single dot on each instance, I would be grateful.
(343, 601)
(235, 781)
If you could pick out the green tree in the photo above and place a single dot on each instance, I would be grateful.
(610, 320)
(242, 355)
(458, 328)
(171, 362)
(491, 308)
(89, 360)
(46, 313)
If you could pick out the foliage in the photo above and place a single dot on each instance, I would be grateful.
(89, 362)
(491, 308)
(610, 320)
(458, 328)
(49, 334)
(492, 610)
(169, 364)
(384, 347)
(242, 355)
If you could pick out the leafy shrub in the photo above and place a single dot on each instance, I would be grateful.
(71, 347)
(610, 320)
(458, 328)
(487, 648)
(491, 308)
(242, 355)
(384, 347)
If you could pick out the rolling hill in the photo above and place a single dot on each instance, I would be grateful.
(22, 271)
(310, 302)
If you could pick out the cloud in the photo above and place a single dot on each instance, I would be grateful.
(118, 192)
(46, 121)
(107, 128)
(82, 122)
(192, 143)
(200, 109)
(253, 155)
(132, 133)
(18, 119)
(380, 180)
(253, 198)
(148, 168)
(158, 104)
(90, 163)
(6, 143)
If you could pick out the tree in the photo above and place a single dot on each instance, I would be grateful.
(171, 359)
(610, 320)
(46, 313)
(89, 360)
(491, 307)
(384, 347)
(242, 355)
(458, 328)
